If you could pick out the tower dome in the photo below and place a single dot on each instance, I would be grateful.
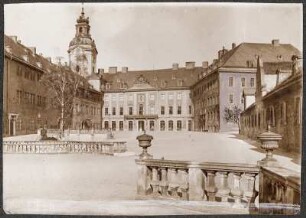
(82, 48)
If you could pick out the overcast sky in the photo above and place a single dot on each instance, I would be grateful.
(147, 36)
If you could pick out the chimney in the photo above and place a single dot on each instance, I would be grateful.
(220, 54)
(215, 61)
(205, 64)
(124, 69)
(14, 38)
(190, 64)
(175, 66)
(33, 49)
(100, 71)
(295, 64)
(275, 42)
(112, 69)
(233, 45)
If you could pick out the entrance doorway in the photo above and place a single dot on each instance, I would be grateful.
(12, 124)
(140, 125)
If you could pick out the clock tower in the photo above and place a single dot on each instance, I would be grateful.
(82, 48)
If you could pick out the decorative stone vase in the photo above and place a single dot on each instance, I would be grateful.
(144, 141)
(269, 142)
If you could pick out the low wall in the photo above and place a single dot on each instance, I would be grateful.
(58, 147)
(260, 189)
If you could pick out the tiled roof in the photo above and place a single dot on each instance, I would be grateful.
(245, 52)
(153, 79)
(273, 67)
(249, 91)
(24, 54)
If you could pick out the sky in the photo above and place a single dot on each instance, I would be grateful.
(154, 36)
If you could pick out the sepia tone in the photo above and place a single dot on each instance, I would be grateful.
(219, 137)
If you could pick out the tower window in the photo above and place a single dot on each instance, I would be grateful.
(81, 30)
(77, 68)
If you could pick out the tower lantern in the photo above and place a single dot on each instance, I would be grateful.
(82, 48)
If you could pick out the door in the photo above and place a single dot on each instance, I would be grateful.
(141, 125)
(12, 125)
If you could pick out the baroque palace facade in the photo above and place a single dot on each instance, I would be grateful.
(149, 100)
(191, 98)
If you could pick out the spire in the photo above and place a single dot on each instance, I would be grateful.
(82, 9)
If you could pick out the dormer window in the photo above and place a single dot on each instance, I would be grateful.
(107, 86)
(163, 83)
(180, 82)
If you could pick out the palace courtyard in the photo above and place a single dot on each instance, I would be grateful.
(28, 178)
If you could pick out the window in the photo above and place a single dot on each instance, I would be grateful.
(152, 110)
(190, 109)
(162, 110)
(106, 111)
(179, 125)
(179, 96)
(179, 110)
(242, 99)
(120, 125)
(130, 125)
(231, 98)
(162, 96)
(243, 82)
(162, 125)
(140, 109)
(77, 68)
(170, 125)
(230, 81)
(130, 110)
(170, 110)
(152, 125)
(19, 96)
(113, 125)
(114, 111)
(121, 111)
(252, 82)
(106, 126)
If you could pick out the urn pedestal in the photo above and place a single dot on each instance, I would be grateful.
(144, 141)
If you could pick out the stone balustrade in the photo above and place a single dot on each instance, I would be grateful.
(38, 147)
(167, 179)
(280, 191)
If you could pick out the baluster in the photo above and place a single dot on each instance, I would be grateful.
(250, 192)
(236, 191)
(173, 186)
(223, 191)
(183, 179)
(164, 182)
(155, 182)
(211, 188)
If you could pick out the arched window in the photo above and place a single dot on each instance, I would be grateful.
(170, 125)
(162, 125)
(179, 125)
(77, 68)
(81, 30)
(106, 126)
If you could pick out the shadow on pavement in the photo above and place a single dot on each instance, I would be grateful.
(295, 157)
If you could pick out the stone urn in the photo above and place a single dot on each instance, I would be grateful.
(269, 142)
(144, 141)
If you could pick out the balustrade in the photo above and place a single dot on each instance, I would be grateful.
(37, 147)
(202, 181)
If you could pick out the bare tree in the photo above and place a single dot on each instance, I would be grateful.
(62, 85)
(232, 114)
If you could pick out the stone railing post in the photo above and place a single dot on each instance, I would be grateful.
(210, 187)
(236, 191)
(144, 141)
(223, 191)
(269, 142)
(195, 180)
(143, 178)
(164, 181)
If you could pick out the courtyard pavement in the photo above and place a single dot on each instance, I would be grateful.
(76, 179)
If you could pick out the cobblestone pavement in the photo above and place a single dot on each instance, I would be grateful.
(93, 177)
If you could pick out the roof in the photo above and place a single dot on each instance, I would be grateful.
(153, 79)
(249, 91)
(273, 67)
(240, 55)
(25, 55)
